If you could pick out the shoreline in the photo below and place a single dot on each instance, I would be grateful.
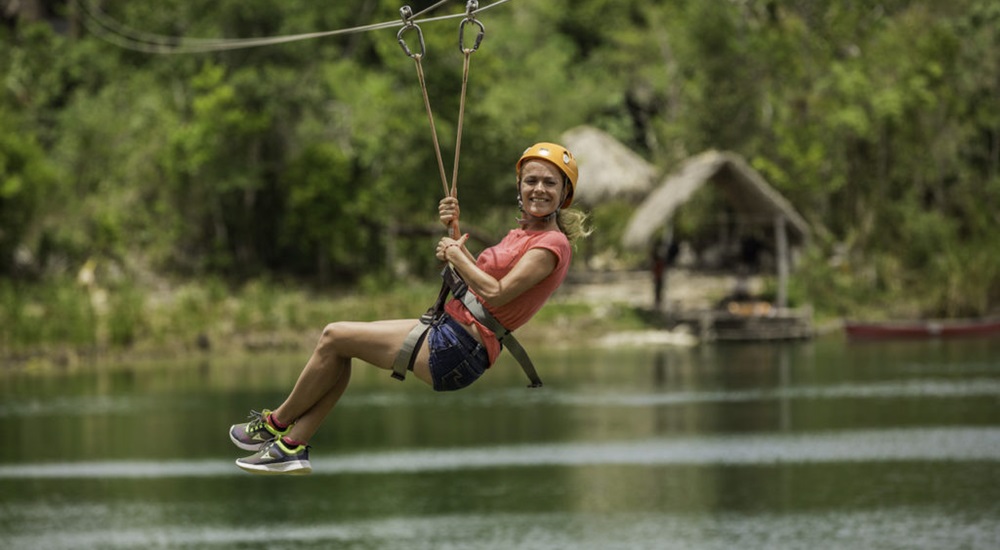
(602, 308)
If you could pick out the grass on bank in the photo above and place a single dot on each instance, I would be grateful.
(66, 318)
(64, 323)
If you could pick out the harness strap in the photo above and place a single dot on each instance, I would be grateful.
(407, 354)
(505, 337)
(453, 282)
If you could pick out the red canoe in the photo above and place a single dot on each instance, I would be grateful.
(948, 328)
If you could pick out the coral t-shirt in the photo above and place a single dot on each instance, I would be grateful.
(497, 261)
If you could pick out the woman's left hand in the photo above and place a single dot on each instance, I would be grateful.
(448, 211)
(446, 243)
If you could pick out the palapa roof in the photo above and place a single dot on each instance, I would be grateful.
(608, 169)
(744, 188)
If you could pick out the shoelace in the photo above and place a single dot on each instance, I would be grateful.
(256, 421)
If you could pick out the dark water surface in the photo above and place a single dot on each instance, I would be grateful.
(817, 445)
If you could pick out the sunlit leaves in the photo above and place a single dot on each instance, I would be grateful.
(878, 119)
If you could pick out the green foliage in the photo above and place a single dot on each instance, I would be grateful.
(56, 312)
(878, 119)
(609, 222)
(126, 317)
(324, 208)
(25, 181)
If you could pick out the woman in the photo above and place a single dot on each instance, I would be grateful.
(512, 279)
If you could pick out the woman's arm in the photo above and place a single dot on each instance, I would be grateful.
(530, 269)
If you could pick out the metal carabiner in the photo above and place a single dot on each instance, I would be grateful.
(470, 17)
(407, 14)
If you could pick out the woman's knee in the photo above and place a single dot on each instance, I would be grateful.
(334, 334)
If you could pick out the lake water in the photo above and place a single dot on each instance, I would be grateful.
(816, 445)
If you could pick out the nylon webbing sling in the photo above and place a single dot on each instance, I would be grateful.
(411, 345)
(454, 283)
(505, 336)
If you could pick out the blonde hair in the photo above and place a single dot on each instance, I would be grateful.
(574, 224)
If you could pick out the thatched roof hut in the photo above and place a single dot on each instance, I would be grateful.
(608, 169)
(747, 195)
(745, 189)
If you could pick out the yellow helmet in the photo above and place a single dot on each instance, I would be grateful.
(557, 155)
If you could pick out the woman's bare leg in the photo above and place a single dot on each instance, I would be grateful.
(307, 424)
(328, 371)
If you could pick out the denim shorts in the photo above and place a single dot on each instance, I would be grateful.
(456, 358)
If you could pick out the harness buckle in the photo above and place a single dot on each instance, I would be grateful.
(429, 317)
(454, 282)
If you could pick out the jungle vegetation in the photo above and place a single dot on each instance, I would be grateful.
(311, 163)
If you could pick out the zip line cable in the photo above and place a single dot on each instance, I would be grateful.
(155, 43)
(110, 30)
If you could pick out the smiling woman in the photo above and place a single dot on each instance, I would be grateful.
(493, 295)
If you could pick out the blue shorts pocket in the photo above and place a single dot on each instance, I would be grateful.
(456, 358)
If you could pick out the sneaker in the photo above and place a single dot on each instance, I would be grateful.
(277, 458)
(253, 435)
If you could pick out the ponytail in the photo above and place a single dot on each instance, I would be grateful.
(574, 224)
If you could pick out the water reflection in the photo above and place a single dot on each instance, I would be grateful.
(814, 445)
(911, 528)
(912, 388)
(954, 444)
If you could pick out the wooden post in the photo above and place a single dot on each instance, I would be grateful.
(781, 237)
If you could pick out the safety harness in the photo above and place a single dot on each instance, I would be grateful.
(452, 282)
(456, 286)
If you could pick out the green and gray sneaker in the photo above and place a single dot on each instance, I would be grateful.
(276, 457)
(253, 435)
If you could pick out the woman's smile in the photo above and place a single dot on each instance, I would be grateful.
(541, 187)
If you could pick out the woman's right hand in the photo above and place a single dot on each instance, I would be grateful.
(448, 211)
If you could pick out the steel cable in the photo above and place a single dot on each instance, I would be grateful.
(108, 29)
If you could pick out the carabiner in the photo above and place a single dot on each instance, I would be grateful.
(470, 17)
(407, 14)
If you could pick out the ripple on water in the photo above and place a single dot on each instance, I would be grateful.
(915, 444)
